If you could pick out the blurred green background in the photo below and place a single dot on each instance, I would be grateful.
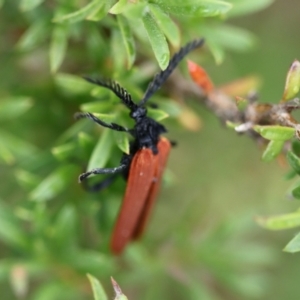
(202, 241)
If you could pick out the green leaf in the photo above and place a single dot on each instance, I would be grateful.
(13, 148)
(101, 93)
(195, 8)
(166, 24)
(6, 155)
(65, 151)
(280, 222)
(296, 147)
(55, 289)
(296, 192)
(290, 175)
(64, 229)
(122, 141)
(71, 84)
(119, 7)
(101, 12)
(86, 143)
(93, 42)
(85, 139)
(33, 36)
(217, 51)
(14, 107)
(237, 39)
(101, 151)
(245, 7)
(169, 107)
(157, 40)
(73, 131)
(157, 114)
(128, 40)
(1, 3)
(228, 36)
(26, 5)
(81, 14)
(55, 183)
(275, 132)
(89, 261)
(294, 245)
(26, 179)
(98, 107)
(273, 149)
(294, 161)
(58, 46)
(134, 10)
(292, 83)
(116, 43)
(11, 232)
(198, 290)
(98, 291)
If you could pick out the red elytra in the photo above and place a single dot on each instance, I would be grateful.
(143, 184)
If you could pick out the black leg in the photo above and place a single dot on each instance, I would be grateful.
(102, 171)
(99, 186)
(112, 126)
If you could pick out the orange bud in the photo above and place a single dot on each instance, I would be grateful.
(200, 77)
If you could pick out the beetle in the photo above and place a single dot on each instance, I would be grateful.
(143, 166)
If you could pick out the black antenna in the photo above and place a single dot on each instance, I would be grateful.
(162, 76)
(116, 88)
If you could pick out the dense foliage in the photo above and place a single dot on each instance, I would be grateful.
(52, 232)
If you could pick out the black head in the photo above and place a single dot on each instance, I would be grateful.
(139, 113)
